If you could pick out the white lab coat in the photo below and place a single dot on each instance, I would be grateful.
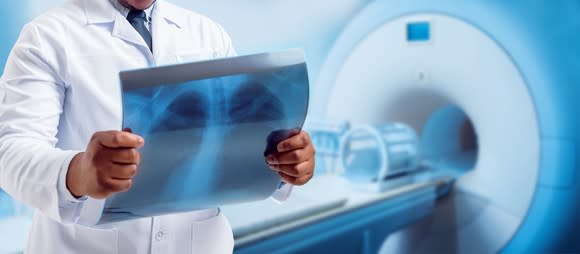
(60, 86)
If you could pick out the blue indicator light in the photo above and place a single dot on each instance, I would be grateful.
(418, 31)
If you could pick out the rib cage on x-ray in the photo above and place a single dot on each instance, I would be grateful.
(205, 140)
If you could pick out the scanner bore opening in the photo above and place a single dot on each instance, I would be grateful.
(449, 140)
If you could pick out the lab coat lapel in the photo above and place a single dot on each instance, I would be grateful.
(123, 30)
(167, 22)
(102, 11)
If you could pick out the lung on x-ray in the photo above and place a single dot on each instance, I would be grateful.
(207, 127)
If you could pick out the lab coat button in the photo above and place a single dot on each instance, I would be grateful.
(159, 236)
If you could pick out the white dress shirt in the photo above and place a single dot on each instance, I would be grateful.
(125, 11)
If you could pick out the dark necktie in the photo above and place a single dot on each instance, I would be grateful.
(138, 20)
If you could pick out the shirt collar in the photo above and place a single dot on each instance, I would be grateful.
(104, 11)
(125, 11)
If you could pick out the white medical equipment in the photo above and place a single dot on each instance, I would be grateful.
(376, 153)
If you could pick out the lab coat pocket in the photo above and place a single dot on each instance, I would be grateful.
(196, 55)
(212, 236)
(96, 240)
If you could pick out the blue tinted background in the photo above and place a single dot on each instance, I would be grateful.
(315, 25)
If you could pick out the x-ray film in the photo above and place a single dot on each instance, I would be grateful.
(207, 127)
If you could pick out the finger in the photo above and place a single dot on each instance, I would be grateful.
(122, 155)
(118, 139)
(122, 172)
(117, 185)
(299, 141)
(295, 170)
(291, 157)
(303, 180)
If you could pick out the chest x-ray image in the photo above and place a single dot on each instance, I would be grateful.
(207, 127)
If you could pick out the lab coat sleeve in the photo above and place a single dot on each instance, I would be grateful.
(32, 169)
(227, 46)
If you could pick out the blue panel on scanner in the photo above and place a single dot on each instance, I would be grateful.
(418, 31)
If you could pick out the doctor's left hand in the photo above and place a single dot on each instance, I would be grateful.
(294, 161)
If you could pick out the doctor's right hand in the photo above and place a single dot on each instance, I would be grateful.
(107, 166)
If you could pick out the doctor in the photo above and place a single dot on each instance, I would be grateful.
(59, 152)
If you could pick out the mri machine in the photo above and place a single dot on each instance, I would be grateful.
(491, 90)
